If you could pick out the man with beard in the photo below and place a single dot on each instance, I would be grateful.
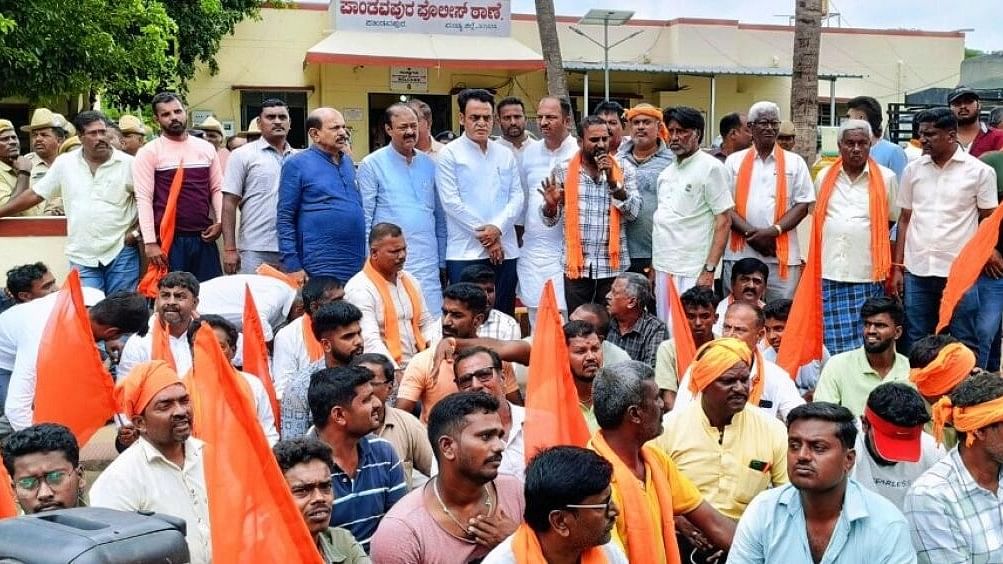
(15, 169)
(974, 136)
(468, 508)
(610, 112)
(430, 375)
(396, 321)
(197, 224)
(397, 184)
(368, 478)
(512, 121)
(295, 347)
(307, 467)
(749, 277)
(43, 462)
(163, 471)
(336, 327)
(700, 304)
(251, 183)
(822, 515)
(569, 514)
(848, 378)
(175, 307)
(585, 357)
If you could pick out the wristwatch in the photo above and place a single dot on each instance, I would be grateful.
(709, 268)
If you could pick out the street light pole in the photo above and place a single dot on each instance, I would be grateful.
(605, 61)
(606, 18)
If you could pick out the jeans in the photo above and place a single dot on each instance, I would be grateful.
(922, 309)
(505, 280)
(989, 321)
(121, 274)
(191, 254)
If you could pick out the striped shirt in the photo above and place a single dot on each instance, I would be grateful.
(296, 418)
(500, 326)
(642, 341)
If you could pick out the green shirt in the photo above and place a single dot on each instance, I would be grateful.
(847, 379)
(340, 547)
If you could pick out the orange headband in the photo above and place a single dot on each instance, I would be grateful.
(953, 363)
(965, 419)
(146, 380)
(714, 359)
(663, 132)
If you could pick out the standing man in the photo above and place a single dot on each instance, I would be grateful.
(883, 151)
(542, 244)
(856, 208)
(512, 121)
(478, 184)
(735, 135)
(213, 131)
(397, 184)
(973, 135)
(943, 196)
(47, 132)
(133, 133)
(425, 142)
(200, 203)
(631, 327)
(251, 183)
(822, 515)
(786, 135)
(15, 170)
(772, 192)
(95, 187)
(591, 200)
(321, 225)
(610, 112)
(691, 220)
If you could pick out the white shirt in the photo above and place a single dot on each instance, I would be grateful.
(945, 204)
(514, 456)
(142, 479)
(690, 193)
(224, 296)
(542, 253)
(761, 206)
(289, 355)
(503, 553)
(892, 482)
(846, 233)
(478, 188)
(21, 329)
(139, 349)
(100, 207)
(722, 308)
(362, 293)
(779, 397)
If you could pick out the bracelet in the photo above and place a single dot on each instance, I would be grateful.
(780, 230)
(228, 250)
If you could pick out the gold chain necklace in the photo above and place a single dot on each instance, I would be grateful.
(488, 503)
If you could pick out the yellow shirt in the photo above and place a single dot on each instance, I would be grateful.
(8, 183)
(722, 465)
(590, 417)
(38, 170)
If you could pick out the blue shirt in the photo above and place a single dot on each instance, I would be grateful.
(870, 529)
(321, 226)
(889, 155)
(402, 193)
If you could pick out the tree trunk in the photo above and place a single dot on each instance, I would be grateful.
(557, 81)
(804, 80)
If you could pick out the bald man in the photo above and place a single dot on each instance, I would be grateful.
(321, 224)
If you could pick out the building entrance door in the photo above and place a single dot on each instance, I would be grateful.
(441, 105)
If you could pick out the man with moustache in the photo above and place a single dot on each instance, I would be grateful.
(748, 279)
(133, 133)
(822, 515)
(700, 304)
(468, 508)
(96, 188)
(610, 112)
(163, 471)
(884, 152)
(397, 184)
(336, 326)
(974, 136)
(47, 132)
(175, 306)
(15, 169)
(43, 462)
(735, 135)
(585, 358)
(321, 225)
(200, 204)
(632, 328)
(251, 184)
(569, 514)
(512, 120)
(368, 478)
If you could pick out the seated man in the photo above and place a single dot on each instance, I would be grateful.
(822, 512)
(497, 325)
(647, 486)
(598, 316)
(569, 514)
(849, 377)
(44, 464)
(749, 278)
(893, 451)
(938, 364)
(700, 304)
(632, 328)
(294, 347)
(25, 283)
(468, 508)
(307, 467)
(175, 308)
(776, 313)
(395, 320)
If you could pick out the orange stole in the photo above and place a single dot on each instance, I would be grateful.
(154, 274)
(572, 228)
(391, 327)
(742, 185)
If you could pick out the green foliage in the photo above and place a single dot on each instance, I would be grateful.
(970, 53)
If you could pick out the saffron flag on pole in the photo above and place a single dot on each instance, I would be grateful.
(251, 520)
(72, 387)
(154, 273)
(552, 413)
(686, 348)
(256, 351)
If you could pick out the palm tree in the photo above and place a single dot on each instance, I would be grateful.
(804, 79)
(557, 81)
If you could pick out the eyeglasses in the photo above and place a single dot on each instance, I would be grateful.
(31, 483)
(375, 384)
(604, 506)
(484, 375)
(304, 490)
(764, 123)
(476, 118)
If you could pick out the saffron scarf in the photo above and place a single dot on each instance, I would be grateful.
(715, 358)
(967, 266)
(742, 186)
(314, 348)
(572, 227)
(953, 364)
(160, 346)
(965, 419)
(391, 327)
(527, 550)
(634, 508)
(154, 273)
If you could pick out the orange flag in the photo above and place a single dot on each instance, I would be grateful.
(255, 350)
(552, 414)
(72, 386)
(802, 342)
(8, 507)
(967, 266)
(154, 274)
(686, 348)
(257, 521)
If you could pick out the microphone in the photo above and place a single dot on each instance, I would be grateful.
(602, 177)
(602, 173)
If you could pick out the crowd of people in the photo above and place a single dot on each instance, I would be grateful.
(388, 293)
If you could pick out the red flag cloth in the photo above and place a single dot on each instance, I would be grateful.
(154, 274)
(72, 386)
(967, 266)
(8, 506)
(256, 351)
(686, 348)
(256, 519)
(552, 413)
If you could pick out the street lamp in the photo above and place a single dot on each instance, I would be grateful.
(605, 18)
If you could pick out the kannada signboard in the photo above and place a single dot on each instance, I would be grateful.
(446, 17)
(408, 79)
